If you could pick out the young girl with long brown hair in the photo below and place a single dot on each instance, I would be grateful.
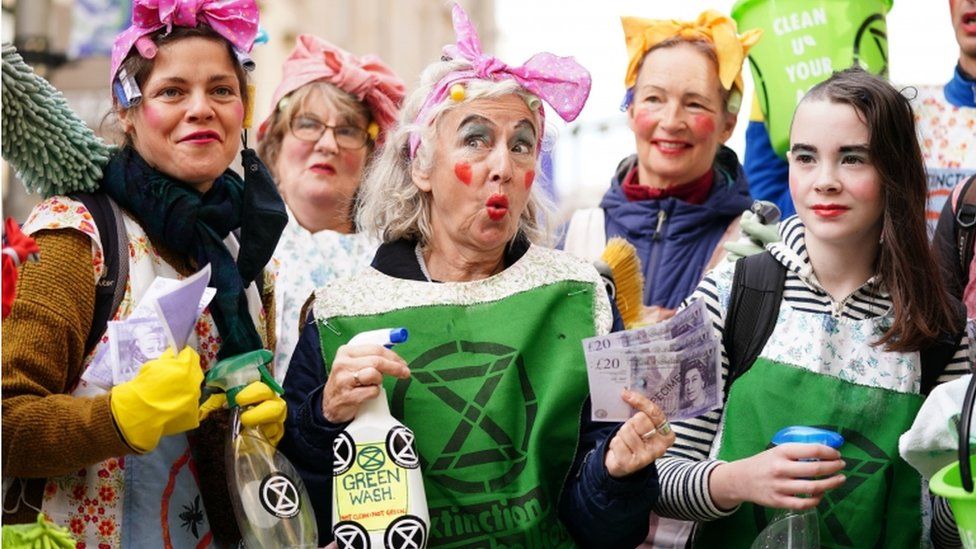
(864, 328)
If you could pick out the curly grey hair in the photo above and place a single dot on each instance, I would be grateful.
(391, 207)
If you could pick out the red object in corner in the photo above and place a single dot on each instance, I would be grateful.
(17, 248)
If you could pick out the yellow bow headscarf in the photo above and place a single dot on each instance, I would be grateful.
(711, 26)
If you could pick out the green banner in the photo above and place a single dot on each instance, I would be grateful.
(879, 505)
(494, 400)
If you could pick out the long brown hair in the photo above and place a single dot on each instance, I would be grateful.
(923, 310)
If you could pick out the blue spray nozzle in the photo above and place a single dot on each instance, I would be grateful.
(808, 435)
(398, 335)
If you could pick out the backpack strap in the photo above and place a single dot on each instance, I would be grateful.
(965, 211)
(110, 288)
(937, 356)
(757, 291)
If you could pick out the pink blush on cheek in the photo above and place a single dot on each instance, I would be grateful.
(151, 117)
(529, 178)
(462, 170)
(702, 126)
(644, 124)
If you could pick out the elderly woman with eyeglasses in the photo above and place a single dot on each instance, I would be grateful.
(492, 379)
(328, 114)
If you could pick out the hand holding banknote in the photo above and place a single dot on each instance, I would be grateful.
(640, 440)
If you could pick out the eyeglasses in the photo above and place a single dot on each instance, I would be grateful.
(346, 137)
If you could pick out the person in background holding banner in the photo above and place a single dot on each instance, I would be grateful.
(496, 388)
(114, 463)
(329, 112)
(863, 330)
(947, 124)
(945, 117)
(681, 195)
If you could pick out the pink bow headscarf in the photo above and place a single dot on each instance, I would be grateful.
(366, 78)
(559, 81)
(235, 20)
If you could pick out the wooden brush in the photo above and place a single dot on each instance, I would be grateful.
(621, 257)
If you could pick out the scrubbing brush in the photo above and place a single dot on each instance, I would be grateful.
(628, 278)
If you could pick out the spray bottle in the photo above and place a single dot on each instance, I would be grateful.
(796, 529)
(269, 499)
(378, 497)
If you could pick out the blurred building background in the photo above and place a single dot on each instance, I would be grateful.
(68, 42)
(408, 34)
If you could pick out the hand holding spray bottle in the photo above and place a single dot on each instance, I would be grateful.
(796, 529)
(377, 488)
(270, 502)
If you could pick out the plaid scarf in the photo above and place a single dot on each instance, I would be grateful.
(195, 225)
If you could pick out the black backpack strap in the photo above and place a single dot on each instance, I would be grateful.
(965, 211)
(110, 288)
(937, 356)
(757, 291)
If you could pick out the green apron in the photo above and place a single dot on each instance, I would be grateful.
(820, 371)
(497, 384)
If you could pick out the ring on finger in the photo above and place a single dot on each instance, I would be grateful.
(355, 377)
(664, 428)
(649, 434)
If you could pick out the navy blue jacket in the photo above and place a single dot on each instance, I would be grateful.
(675, 239)
(597, 510)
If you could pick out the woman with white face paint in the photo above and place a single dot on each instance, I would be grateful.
(492, 379)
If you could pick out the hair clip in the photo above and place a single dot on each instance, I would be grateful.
(283, 103)
(244, 59)
(147, 48)
(126, 89)
(262, 37)
(735, 101)
(628, 99)
(373, 130)
(457, 93)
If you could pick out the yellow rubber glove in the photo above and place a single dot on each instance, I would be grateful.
(161, 400)
(263, 408)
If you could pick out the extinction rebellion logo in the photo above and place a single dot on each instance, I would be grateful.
(478, 451)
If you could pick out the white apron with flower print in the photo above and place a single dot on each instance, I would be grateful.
(149, 500)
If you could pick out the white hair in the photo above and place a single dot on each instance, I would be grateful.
(391, 207)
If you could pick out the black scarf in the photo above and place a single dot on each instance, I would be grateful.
(195, 224)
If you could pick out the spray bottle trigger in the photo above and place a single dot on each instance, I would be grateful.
(269, 380)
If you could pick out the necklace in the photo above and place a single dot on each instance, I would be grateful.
(421, 262)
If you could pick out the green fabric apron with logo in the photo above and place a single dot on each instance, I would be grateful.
(820, 371)
(494, 400)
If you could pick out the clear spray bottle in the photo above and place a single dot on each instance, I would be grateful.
(378, 497)
(270, 502)
(796, 529)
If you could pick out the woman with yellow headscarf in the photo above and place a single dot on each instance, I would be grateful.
(679, 197)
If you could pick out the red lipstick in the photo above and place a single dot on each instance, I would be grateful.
(497, 206)
(201, 137)
(829, 210)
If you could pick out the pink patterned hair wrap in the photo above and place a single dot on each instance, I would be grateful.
(559, 81)
(366, 78)
(235, 20)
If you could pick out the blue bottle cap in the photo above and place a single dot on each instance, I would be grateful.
(808, 435)
(398, 335)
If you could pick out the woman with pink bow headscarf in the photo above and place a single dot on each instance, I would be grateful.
(492, 379)
(121, 456)
(329, 112)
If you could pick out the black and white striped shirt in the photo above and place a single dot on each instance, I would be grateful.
(685, 469)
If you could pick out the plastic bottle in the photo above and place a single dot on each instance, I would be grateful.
(269, 499)
(796, 529)
(378, 497)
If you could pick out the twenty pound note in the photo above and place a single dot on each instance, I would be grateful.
(676, 364)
